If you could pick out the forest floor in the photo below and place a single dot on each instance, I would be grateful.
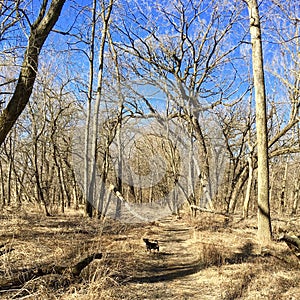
(208, 257)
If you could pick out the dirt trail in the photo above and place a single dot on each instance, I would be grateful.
(212, 259)
(169, 273)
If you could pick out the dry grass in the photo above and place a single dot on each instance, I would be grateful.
(211, 257)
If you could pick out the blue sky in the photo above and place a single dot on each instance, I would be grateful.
(76, 61)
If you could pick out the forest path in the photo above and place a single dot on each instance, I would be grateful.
(170, 273)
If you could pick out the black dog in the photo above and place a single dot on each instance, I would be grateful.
(151, 245)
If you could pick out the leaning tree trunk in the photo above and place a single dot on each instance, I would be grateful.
(40, 30)
(236, 190)
(264, 221)
(204, 162)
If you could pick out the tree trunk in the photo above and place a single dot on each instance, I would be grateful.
(204, 163)
(241, 179)
(2, 185)
(105, 14)
(283, 187)
(296, 196)
(40, 30)
(264, 220)
(87, 168)
(293, 243)
(9, 171)
(119, 125)
(248, 190)
(18, 281)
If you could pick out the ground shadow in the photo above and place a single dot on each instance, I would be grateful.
(154, 273)
(246, 253)
(169, 273)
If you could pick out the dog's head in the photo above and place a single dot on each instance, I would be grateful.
(146, 240)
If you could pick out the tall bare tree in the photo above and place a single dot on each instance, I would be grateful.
(88, 204)
(264, 220)
(106, 9)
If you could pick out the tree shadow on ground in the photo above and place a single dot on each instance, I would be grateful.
(246, 253)
(168, 273)
(163, 273)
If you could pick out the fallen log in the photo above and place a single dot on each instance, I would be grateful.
(74, 271)
(293, 243)
(195, 207)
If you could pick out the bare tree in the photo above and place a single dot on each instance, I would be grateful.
(91, 56)
(182, 58)
(39, 32)
(264, 220)
(106, 10)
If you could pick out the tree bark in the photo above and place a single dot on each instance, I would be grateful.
(105, 15)
(293, 243)
(241, 180)
(264, 220)
(40, 30)
(283, 187)
(248, 190)
(296, 196)
(87, 167)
